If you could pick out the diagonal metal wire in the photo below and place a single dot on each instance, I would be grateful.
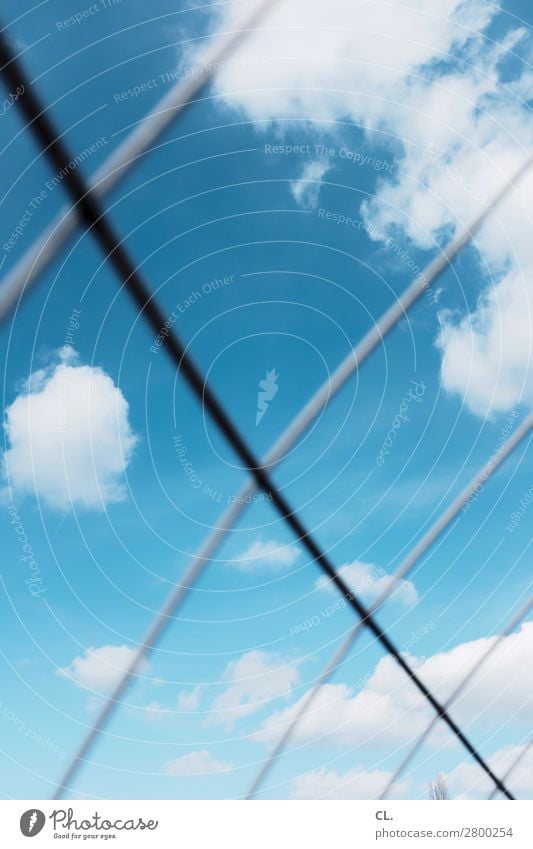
(120, 260)
(525, 751)
(523, 611)
(35, 261)
(412, 558)
(229, 518)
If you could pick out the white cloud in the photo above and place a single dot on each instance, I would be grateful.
(100, 668)
(155, 711)
(450, 171)
(189, 700)
(333, 61)
(405, 592)
(386, 709)
(457, 129)
(69, 437)
(380, 714)
(370, 581)
(267, 553)
(254, 679)
(306, 189)
(468, 781)
(487, 356)
(196, 763)
(354, 784)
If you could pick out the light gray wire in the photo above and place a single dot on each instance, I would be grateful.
(289, 437)
(527, 748)
(524, 610)
(405, 567)
(26, 271)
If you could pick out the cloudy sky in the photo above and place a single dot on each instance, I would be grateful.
(336, 152)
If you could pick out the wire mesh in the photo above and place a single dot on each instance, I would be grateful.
(85, 206)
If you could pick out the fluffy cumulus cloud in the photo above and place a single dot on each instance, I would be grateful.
(199, 763)
(496, 344)
(333, 61)
(99, 669)
(354, 784)
(428, 82)
(253, 680)
(267, 554)
(370, 582)
(467, 781)
(69, 436)
(386, 710)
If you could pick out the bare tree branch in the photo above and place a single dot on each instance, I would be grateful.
(438, 789)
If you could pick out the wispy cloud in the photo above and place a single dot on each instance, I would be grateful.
(354, 784)
(370, 581)
(198, 763)
(267, 554)
(189, 700)
(255, 679)
(306, 189)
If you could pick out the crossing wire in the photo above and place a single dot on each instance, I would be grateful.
(26, 271)
(463, 684)
(523, 754)
(406, 566)
(97, 223)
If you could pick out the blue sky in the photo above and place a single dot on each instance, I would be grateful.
(261, 275)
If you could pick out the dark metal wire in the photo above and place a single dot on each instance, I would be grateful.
(96, 221)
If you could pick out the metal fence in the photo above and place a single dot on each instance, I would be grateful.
(86, 210)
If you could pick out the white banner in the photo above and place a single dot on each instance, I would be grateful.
(263, 825)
